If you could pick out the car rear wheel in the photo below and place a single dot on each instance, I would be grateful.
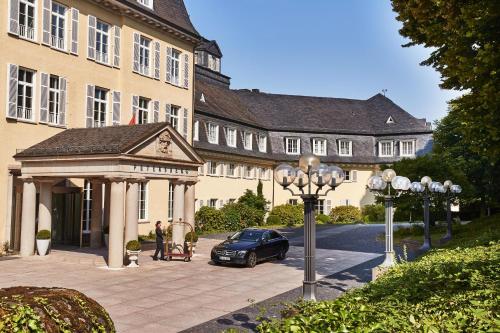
(252, 260)
(281, 255)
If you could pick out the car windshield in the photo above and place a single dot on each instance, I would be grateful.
(248, 235)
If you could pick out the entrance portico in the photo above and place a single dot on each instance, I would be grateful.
(120, 157)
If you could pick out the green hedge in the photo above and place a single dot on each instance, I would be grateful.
(289, 214)
(322, 219)
(345, 214)
(209, 219)
(447, 290)
(273, 220)
(231, 217)
(373, 213)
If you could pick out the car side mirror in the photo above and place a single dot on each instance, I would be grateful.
(228, 237)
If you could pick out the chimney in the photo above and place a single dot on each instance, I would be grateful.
(256, 90)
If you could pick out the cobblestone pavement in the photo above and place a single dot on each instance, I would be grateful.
(174, 296)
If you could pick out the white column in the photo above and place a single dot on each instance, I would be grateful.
(116, 223)
(8, 221)
(107, 199)
(178, 215)
(45, 206)
(28, 218)
(132, 211)
(96, 220)
(189, 198)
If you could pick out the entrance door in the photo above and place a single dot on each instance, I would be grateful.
(66, 218)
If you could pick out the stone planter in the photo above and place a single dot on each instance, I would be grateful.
(106, 240)
(42, 245)
(133, 257)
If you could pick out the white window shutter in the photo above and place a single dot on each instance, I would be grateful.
(116, 108)
(185, 124)
(44, 97)
(220, 169)
(221, 203)
(157, 60)
(13, 71)
(201, 203)
(201, 170)
(354, 175)
(74, 30)
(137, 39)
(169, 64)
(90, 106)
(328, 207)
(14, 17)
(168, 111)
(135, 107)
(47, 6)
(156, 111)
(186, 71)
(116, 48)
(91, 39)
(62, 101)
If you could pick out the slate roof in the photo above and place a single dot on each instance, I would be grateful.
(210, 46)
(172, 11)
(100, 140)
(306, 113)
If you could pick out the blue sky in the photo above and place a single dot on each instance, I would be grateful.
(349, 49)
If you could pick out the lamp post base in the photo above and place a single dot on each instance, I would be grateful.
(309, 290)
(446, 238)
(389, 260)
(426, 246)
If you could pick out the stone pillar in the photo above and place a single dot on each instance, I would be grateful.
(116, 223)
(178, 215)
(132, 211)
(189, 199)
(28, 218)
(107, 200)
(96, 221)
(45, 206)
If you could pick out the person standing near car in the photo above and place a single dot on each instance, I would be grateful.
(159, 242)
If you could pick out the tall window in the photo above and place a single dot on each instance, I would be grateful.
(25, 94)
(262, 142)
(87, 206)
(248, 171)
(196, 130)
(319, 147)
(54, 99)
(231, 170)
(174, 117)
(58, 25)
(213, 133)
(294, 202)
(407, 148)
(212, 203)
(292, 146)
(170, 201)
(143, 110)
(102, 42)
(347, 175)
(100, 106)
(247, 140)
(27, 19)
(144, 52)
(385, 148)
(212, 168)
(143, 201)
(320, 206)
(174, 66)
(345, 148)
(231, 137)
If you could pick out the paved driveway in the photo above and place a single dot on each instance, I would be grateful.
(171, 296)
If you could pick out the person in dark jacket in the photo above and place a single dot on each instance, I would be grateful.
(159, 242)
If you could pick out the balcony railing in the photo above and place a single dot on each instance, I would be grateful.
(101, 57)
(26, 32)
(24, 113)
(53, 118)
(144, 70)
(57, 42)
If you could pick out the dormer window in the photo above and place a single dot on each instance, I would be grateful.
(386, 148)
(345, 147)
(146, 3)
(213, 133)
(390, 120)
(407, 148)
(202, 98)
(247, 140)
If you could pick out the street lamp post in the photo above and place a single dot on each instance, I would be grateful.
(451, 191)
(378, 185)
(310, 171)
(426, 187)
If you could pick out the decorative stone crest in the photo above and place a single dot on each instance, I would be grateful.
(164, 144)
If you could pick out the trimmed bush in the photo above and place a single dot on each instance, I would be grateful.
(43, 234)
(322, 219)
(289, 214)
(191, 236)
(238, 215)
(33, 309)
(209, 219)
(373, 213)
(133, 245)
(345, 214)
(273, 220)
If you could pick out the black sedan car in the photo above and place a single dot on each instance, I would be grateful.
(249, 246)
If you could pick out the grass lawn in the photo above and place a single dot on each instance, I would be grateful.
(454, 288)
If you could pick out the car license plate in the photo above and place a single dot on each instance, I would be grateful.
(224, 258)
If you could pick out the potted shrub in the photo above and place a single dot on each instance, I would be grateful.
(191, 239)
(106, 235)
(167, 235)
(133, 249)
(42, 242)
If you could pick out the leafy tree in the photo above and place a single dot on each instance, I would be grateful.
(251, 199)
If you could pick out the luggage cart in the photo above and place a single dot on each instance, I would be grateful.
(187, 251)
